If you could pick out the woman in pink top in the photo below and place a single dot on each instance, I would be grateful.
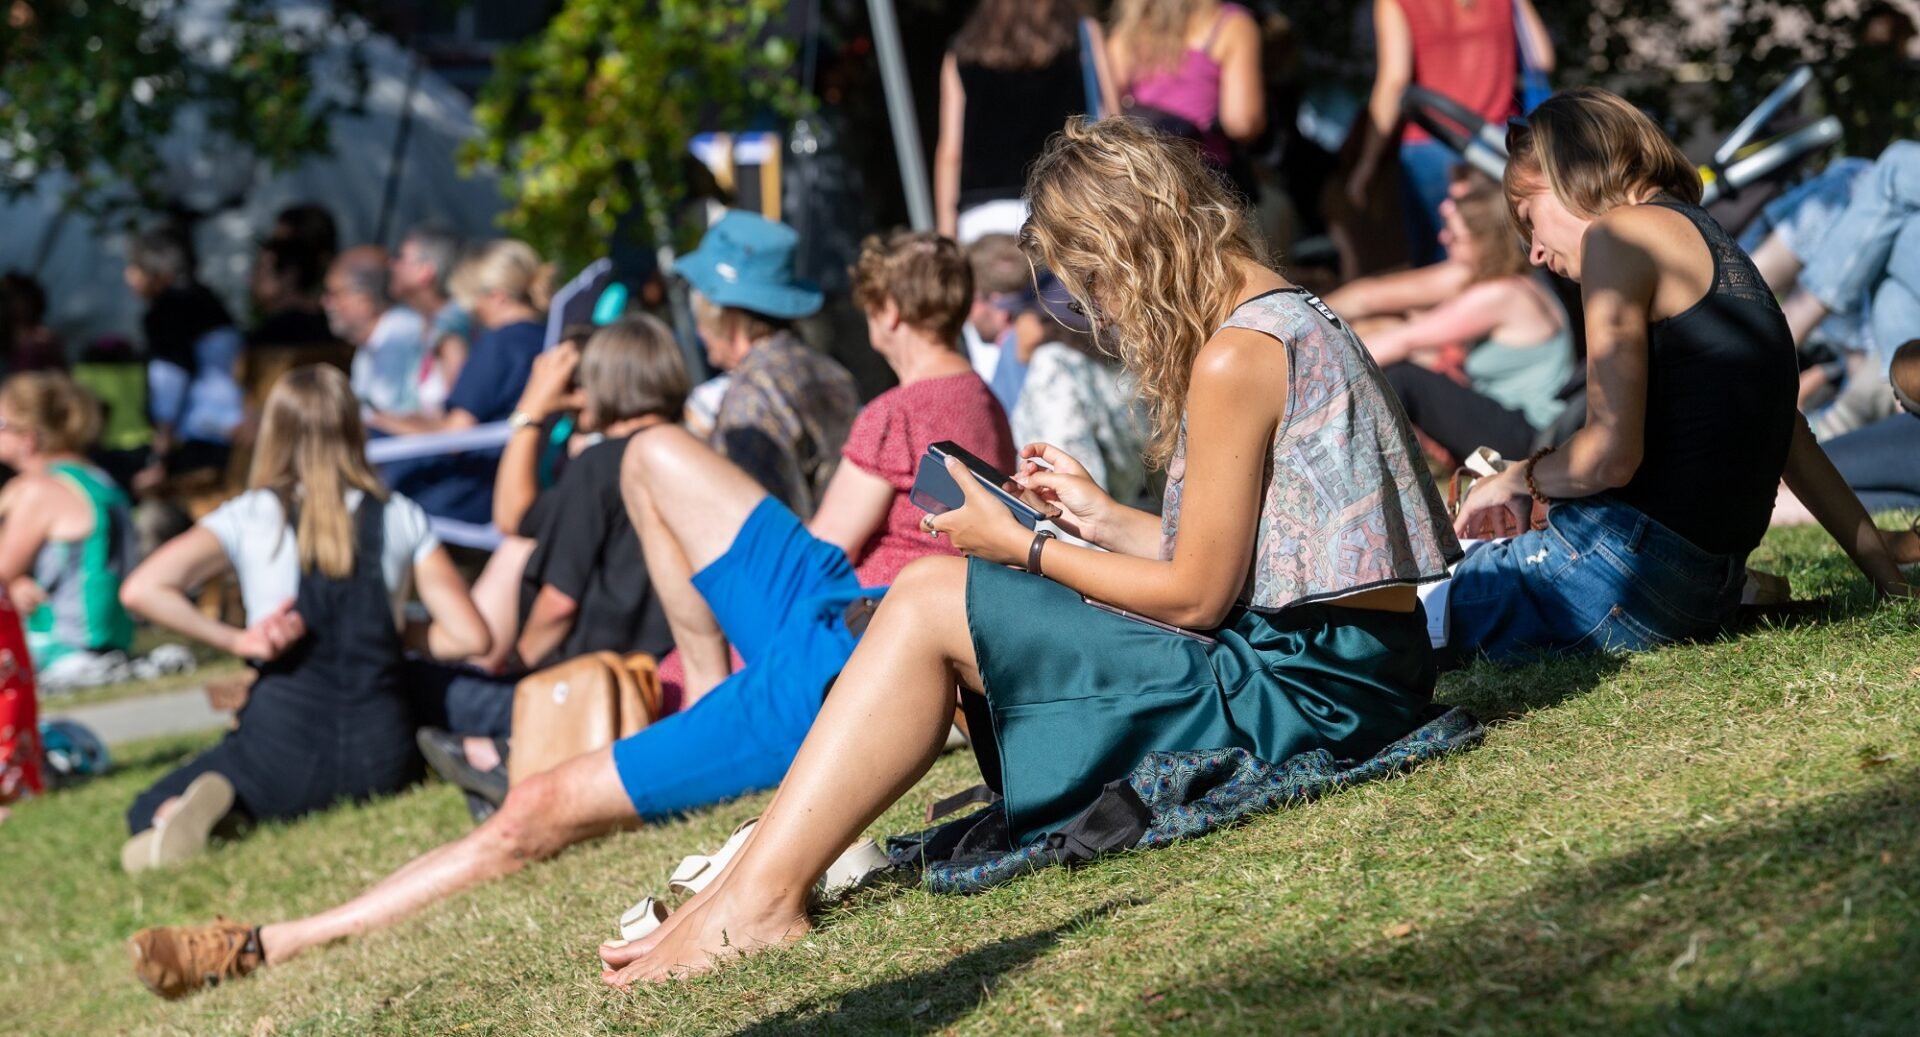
(1197, 61)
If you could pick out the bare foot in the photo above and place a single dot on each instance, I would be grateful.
(695, 940)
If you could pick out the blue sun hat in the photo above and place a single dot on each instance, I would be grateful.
(746, 261)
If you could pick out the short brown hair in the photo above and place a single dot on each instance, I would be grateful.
(63, 417)
(632, 368)
(923, 273)
(1595, 152)
(999, 266)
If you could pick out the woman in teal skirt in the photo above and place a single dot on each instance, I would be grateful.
(1271, 607)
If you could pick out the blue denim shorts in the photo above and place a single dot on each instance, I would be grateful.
(780, 596)
(1601, 577)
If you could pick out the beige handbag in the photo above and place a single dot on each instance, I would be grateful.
(578, 706)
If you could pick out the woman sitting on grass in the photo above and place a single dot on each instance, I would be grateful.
(1519, 350)
(1657, 500)
(65, 533)
(1280, 440)
(325, 557)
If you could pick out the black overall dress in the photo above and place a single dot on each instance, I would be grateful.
(327, 721)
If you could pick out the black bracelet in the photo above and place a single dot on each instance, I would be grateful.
(1040, 538)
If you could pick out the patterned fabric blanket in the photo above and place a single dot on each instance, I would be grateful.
(1167, 797)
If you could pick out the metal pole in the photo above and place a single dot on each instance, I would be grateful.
(906, 129)
(390, 197)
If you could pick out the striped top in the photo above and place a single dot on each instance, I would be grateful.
(1349, 504)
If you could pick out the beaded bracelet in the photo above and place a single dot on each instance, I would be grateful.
(1533, 489)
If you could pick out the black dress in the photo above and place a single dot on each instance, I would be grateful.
(327, 721)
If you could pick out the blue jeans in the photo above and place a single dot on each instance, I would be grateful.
(1802, 217)
(1873, 252)
(1425, 167)
(1881, 462)
(1601, 577)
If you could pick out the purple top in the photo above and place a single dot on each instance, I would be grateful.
(1191, 90)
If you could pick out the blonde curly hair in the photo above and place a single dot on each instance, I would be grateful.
(1145, 237)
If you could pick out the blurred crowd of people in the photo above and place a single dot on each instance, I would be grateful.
(1233, 533)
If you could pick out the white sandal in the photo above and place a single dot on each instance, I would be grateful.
(641, 919)
(696, 873)
(850, 871)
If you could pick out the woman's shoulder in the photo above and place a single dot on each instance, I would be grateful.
(252, 512)
(1641, 243)
(407, 525)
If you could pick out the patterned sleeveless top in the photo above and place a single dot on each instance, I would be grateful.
(1349, 504)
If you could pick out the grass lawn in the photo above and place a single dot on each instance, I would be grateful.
(1713, 839)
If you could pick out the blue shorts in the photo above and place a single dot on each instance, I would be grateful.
(781, 596)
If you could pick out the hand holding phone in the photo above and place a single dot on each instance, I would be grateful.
(935, 492)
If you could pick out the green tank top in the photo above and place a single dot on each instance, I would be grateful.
(82, 577)
(1524, 378)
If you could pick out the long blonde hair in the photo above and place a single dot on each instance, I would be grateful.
(1155, 30)
(1139, 215)
(311, 451)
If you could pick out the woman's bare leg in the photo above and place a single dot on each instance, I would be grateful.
(1777, 264)
(687, 503)
(1804, 312)
(578, 800)
(881, 728)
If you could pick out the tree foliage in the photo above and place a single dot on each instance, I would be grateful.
(590, 119)
(1735, 51)
(1711, 61)
(93, 90)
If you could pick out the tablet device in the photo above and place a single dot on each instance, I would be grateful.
(935, 492)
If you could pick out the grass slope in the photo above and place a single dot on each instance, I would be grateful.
(1712, 839)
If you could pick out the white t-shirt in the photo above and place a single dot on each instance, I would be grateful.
(260, 546)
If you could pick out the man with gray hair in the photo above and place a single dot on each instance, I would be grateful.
(427, 257)
(389, 340)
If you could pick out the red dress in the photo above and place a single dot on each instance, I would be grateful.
(19, 721)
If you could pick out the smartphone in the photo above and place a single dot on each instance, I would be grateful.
(935, 492)
(1194, 635)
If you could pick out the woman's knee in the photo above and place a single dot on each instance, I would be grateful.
(929, 588)
(658, 456)
(551, 811)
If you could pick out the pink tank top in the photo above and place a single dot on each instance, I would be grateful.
(1192, 89)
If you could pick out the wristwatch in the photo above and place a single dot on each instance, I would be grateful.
(521, 419)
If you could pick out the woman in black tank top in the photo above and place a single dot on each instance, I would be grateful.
(1014, 75)
(1654, 504)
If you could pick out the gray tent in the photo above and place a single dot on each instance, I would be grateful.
(83, 262)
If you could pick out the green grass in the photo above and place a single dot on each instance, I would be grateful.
(1721, 838)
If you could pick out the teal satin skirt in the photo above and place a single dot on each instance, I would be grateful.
(1076, 696)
